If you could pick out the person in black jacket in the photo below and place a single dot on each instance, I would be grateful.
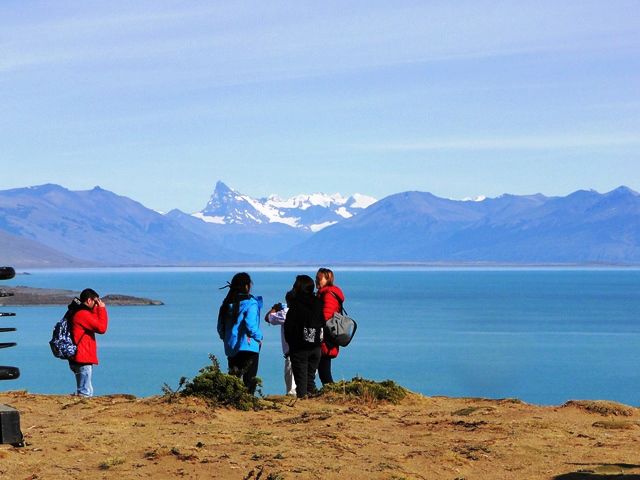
(303, 333)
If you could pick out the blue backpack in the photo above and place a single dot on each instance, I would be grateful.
(61, 343)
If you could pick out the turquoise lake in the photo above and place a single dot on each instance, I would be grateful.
(542, 335)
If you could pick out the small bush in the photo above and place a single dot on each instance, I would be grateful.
(219, 388)
(171, 394)
(367, 390)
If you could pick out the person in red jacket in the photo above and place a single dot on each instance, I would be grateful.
(332, 298)
(89, 318)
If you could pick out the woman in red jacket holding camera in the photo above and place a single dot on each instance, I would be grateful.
(88, 316)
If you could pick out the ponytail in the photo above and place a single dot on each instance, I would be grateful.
(238, 290)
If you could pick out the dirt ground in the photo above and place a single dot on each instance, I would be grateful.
(121, 437)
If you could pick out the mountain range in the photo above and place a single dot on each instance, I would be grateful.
(585, 227)
(307, 212)
(49, 225)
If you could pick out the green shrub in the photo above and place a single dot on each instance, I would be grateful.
(367, 390)
(219, 388)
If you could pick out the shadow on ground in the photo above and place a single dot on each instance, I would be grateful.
(602, 471)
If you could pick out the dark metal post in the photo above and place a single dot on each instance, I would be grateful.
(9, 417)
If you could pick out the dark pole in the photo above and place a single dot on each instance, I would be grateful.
(9, 417)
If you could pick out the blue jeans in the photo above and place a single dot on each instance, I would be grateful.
(83, 378)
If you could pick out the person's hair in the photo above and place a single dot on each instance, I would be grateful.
(88, 293)
(289, 296)
(303, 286)
(326, 274)
(238, 290)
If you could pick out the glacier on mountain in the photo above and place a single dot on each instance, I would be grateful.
(312, 212)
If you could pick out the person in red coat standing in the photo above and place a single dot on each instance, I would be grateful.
(89, 318)
(332, 298)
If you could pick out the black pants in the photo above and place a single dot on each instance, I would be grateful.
(324, 370)
(304, 364)
(245, 365)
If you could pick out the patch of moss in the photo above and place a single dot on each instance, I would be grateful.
(614, 425)
(111, 462)
(602, 407)
(463, 412)
(219, 388)
(367, 390)
(466, 411)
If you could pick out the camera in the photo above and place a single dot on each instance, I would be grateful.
(277, 307)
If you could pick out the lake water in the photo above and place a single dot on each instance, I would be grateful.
(542, 335)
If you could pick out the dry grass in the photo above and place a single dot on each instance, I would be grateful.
(116, 438)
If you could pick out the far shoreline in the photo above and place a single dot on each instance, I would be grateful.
(372, 267)
(23, 296)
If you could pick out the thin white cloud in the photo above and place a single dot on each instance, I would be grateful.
(539, 142)
(250, 41)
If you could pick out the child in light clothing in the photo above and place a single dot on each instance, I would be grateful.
(277, 316)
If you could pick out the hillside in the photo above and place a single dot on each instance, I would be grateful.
(27, 253)
(103, 228)
(118, 437)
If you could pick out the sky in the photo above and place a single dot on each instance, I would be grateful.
(157, 100)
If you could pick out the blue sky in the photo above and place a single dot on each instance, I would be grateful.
(157, 100)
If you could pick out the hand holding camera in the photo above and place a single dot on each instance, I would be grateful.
(277, 307)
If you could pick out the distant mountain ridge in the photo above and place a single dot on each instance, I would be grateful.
(49, 225)
(584, 227)
(100, 227)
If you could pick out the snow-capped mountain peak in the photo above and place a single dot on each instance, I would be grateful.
(478, 198)
(306, 211)
(361, 201)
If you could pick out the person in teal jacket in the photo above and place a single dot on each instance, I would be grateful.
(239, 329)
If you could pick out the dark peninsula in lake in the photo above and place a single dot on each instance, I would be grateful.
(21, 295)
